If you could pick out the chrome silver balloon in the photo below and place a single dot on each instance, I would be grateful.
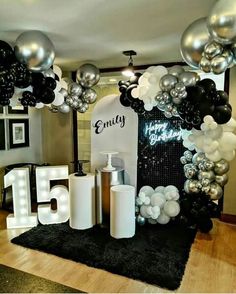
(222, 180)
(75, 89)
(192, 186)
(215, 192)
(177, 100)
(89, 96)
(174, 93)
(176, 70)
(35, 50)
(221, 167)
(205, 64)
(221, 21)
(206, 175)
(198, 157)
(64, 108)
(193, 41)
(167, 82)
(213, 49)
(88, 75)
(189, 78)
(140, 220)
(219, 64)
(188, 155)
(49, 73)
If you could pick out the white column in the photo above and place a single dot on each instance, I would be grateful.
(122, 208)
(82, 201)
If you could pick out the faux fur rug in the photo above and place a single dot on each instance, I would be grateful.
(156, 254)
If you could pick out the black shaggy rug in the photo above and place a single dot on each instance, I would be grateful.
(156, 254)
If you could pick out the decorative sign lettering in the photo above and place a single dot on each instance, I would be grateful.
(100, 125)
(161, 132)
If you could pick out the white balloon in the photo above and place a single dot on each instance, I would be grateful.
(170, 188)
(135, 93)
(158, 199)
(59, 100)
(64, 84)
(148, 107)
(172, 208)
(147, 201)
(160, 189)
(148, 190)
(57, 70)
(143, 211)
(39, 105)
(163, 218)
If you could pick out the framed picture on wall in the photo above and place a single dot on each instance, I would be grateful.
(18, 133)
(2, 135)
(19, 109)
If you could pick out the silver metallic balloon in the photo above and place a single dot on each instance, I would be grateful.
(188, 155)
(208, 164)
(177, 100)
(221, 167)
(189, 78)
(221, 21)
(140, 220)
(206, 175)
(219, 64)
(64, 108)
(89, 96)
(205, 182)
(190, 173)
(228, 54)
(53, 109)
(175, 112)
(88, 75)
(168, 107)
(222, 180)
(180, 87)
(75, 89)
(212, 49)
(174, 93)
(205, 64)
(198, 157)
(215, 192)
(176, 70)
(183, 160)
(167, 82)
(167, 114)
(192, 186)
(35, 50)
(83, 108)
(193, 41)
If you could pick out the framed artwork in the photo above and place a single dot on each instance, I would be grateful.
(19, 109)
(2, 135)
(18, 133)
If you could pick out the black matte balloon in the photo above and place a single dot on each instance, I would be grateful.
(206, 108)
(38, 80)
(205, 225)
(208, 85)
(124, 100)
(223, 98)
(195, 93)
(6, 53)
(222, 114)
(47, 96)
(50, 83)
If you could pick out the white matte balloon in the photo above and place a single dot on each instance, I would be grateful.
(172, 208)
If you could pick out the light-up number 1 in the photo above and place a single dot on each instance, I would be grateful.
(18, 178)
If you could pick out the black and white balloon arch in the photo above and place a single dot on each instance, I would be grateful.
(207, 133)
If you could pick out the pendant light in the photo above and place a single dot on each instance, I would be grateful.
(129, 70)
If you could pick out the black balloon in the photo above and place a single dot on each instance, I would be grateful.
(47, 96)
(222, 114)
(208, 85)
(6, 53)
(195, 93)
(50, 83)
(124, 100)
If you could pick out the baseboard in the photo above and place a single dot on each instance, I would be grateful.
(228, 218)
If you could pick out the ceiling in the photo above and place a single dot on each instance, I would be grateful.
(97, 31)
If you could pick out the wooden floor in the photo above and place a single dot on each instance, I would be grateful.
(211, 267)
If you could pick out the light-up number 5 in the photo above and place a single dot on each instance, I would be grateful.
(18, 178)
(44, 194)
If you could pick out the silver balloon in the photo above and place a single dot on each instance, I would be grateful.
(215, 192)
(168, 107)
(167, 114)
(183, 160)
(180, 87)
(49, 73)
(221, 21)
(206, 175)
(88, 75)
(35, 50)
(188, 155)
(190, 173)
(221, 167)
(64, 108)
(89, 96)
(192, 186)
(176, 70)
(205, 182)
(212, 49)
(208, 164)
(228, 54)
(63, 92)
(177, 100)
(83, 108)
(205, 64)
(193, 41)
(75, 89)
(53, 109)
(140, 220)
(69, 100)
(198, 157)
(189, 78)
(175, 112)
(219, 64)
(174, 93)
(222, 180)
(167, 82)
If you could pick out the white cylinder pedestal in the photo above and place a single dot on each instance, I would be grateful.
(82, 201)
(122, 208)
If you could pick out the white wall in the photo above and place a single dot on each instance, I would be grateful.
(33, 153)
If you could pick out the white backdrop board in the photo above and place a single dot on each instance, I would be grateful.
(115, 128)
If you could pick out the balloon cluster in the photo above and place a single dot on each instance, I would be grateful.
(197, 211)
(204, 99)
(80, 94)
(216, 141)
(209, 43)
(204, 175)
(126, 98)
(157, 206)
(174, 89)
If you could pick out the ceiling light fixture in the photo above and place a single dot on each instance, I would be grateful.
(129, 70)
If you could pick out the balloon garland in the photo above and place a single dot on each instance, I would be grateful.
(29, 78)
(207, 132)
(209, 43)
